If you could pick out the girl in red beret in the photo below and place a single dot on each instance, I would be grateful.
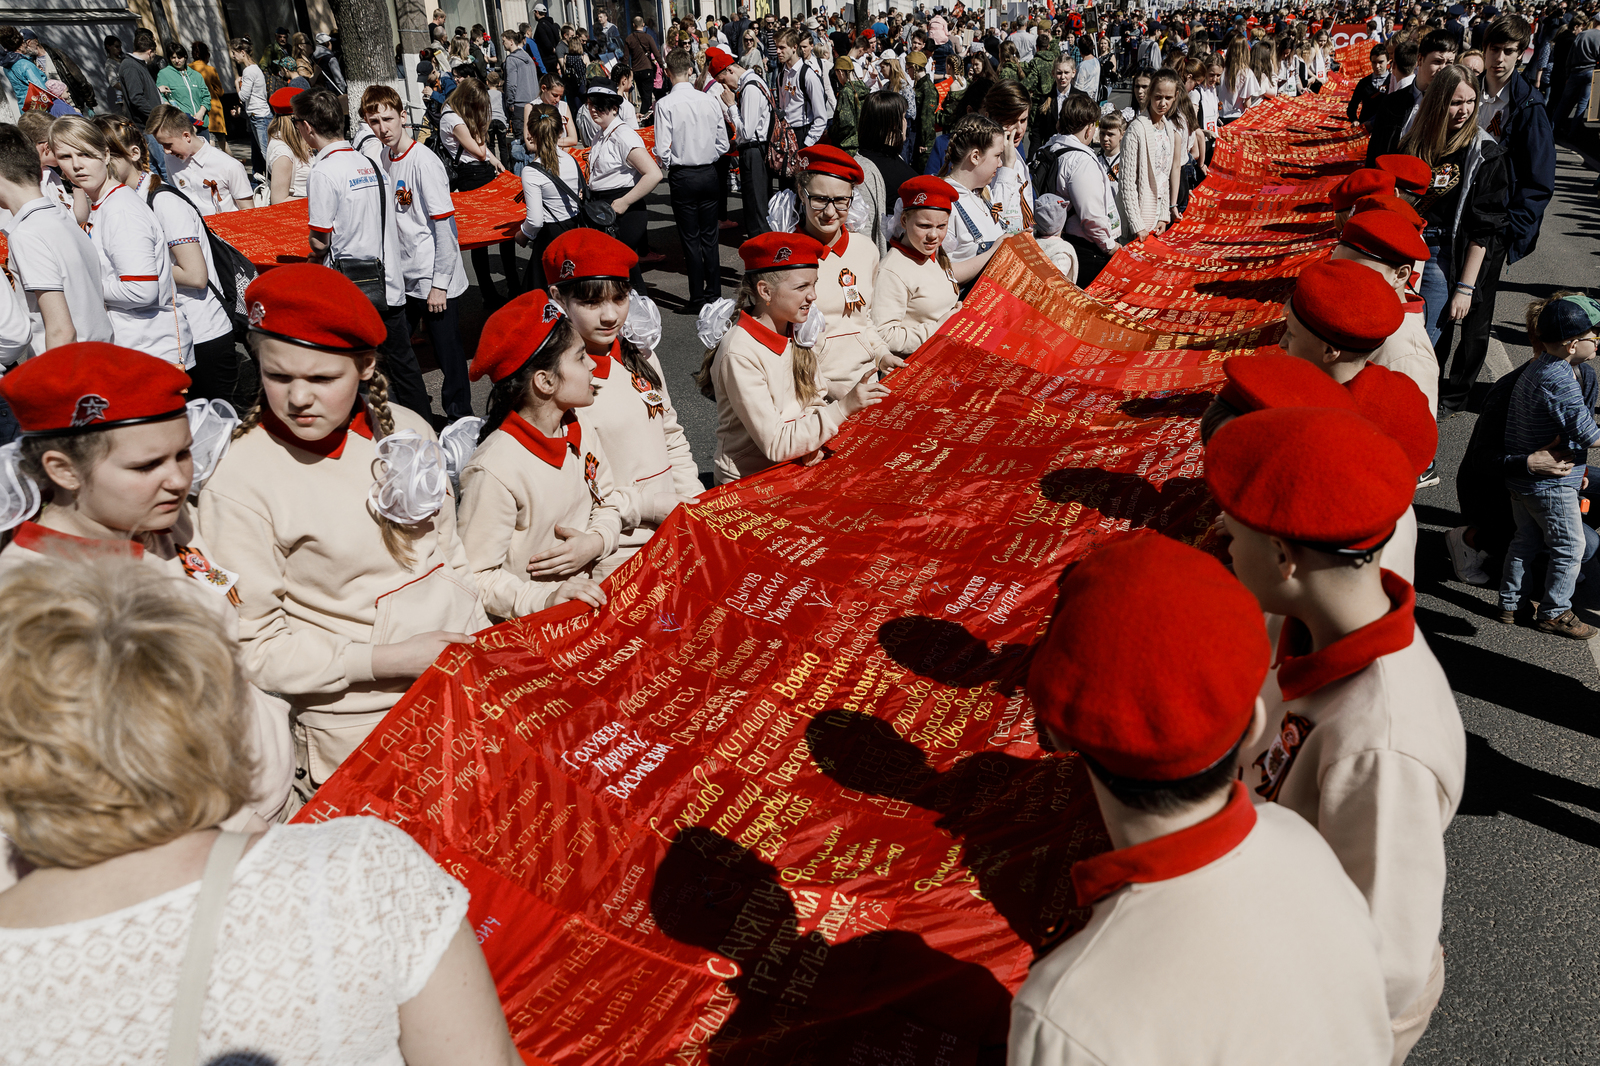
(762, 365)
(334, 508)
(106, 463)
(917, 291)
(825, 190)
(539, 507)
(632, 415)
(977, 145)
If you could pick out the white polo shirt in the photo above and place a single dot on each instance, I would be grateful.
(49, 253)
(430, 251)
(182, 224)
(211, 178)
(608, 160)
(343, 196)
(136, 278)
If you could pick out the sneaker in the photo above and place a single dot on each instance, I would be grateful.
(1508, 618)
(1566, 625)
(1429, 478)
(1464, 558)
(1476, 575)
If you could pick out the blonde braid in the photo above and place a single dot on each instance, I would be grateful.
(378, 400)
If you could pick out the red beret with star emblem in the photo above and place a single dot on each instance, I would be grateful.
(586, 255)
(835, 162)
(91, 385)
(780, 251)
(514, 334)
(925, 190)
(315, 307)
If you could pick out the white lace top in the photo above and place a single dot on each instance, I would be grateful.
(328, 929)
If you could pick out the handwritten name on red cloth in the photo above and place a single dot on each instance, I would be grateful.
(781, 801)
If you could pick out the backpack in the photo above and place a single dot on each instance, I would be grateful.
(1046, 173)
(234, 272)
(783, 147)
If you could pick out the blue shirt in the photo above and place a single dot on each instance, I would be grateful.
(1548, 403)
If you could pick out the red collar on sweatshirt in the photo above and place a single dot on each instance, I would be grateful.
(777, 343)
(46, 541)
(552, 450)
(1167, 857)
(329, 447)
(602, 363)
(1301, 675)
(916, 257)
(840, 243)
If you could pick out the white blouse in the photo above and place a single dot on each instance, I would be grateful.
(298, 172)
(609, 168)
(972, 229)
(328, 928)
(546, 201)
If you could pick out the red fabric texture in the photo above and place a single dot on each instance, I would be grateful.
(329, 447)
(552, 450)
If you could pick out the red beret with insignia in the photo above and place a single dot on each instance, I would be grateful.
(1386, 236)
(925, 190)
(1327, 478)
(1259, 382)
(1392, 204)
(514, 334)
(584, 255)
(1361, 183)
(1153, 725)
(1410, 173)
(1393, 402)
(90, 385)
(826, 159)
(1347, 305)
(780, 251)
(282, 101)
(315, 307)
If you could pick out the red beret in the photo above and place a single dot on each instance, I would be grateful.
(1327, 478)
(1385, 236)
(1410, 173)
(780, 251)
(314, 306)
(719, 60)
(869, 32)
(582, 254)
(282, 101)
(1392, 402)
(92, 385)
(1091, 679)
(1392, 204)
(1346, 304)
(925, 190)
(514, 334)
(1259, 382)
(1361, 183)
(826, 159)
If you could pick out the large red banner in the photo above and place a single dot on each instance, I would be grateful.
(780, 801)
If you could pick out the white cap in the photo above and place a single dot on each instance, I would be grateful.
(323, 38)
(888, 53)
(540, 8)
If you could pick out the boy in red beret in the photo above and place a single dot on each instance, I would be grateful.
(1387, 242)
(1369, 746)
(1339, 315)
(1202, 886)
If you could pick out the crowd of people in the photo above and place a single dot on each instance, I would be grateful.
(238, 528)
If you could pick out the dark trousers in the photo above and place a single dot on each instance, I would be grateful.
(695, 193)
(508, 267)
(1456, 385)
(399, 363)
(633, 229)
(1091, 260)
(533, 275)
(444, 333)
(644, 81)
(215, 375)
(753, 187)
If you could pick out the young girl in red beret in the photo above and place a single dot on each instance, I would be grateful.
(916, 291)
(772, 403)
(334, 509)
(107, 450)
(538, 504)
(632, 415)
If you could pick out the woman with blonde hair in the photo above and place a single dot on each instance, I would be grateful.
(288, 158)
(152, 932)
(1153, 154)
(1239, 89)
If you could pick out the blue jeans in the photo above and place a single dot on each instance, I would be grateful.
(1438, 275)
(259, 127)
(519, 156)
(156, 154)
(1575, 91)
(1547, 520)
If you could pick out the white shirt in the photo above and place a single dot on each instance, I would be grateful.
(750, 113)
(1490, 105)
(691, 128)
(253, 92)
(1204, 99)
(1086, 185)
(298, 171)
(972, 228)
(136, 278)
(55, 190)
(373, 909)
(608, 159)
(425, 221)
(1232, 99)
(16, 327)
(182, 224)
(343, 194)
(211, 178)
(49, 253)
(1088, 79)
(546, 201)
(801, 101)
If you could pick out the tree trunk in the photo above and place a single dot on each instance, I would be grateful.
(367, 40)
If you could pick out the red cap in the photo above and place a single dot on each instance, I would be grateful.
(282, 101)
(869, 32)
(826, 159)
(1386, 236)
(92, 385)
(780, 251)
(1091, 679)
(584, 254)
(1392, 402)
(1259, 382)
(1361, 183)
(1411, 174)
(314, 306)
(925, 190)
(1392, 204)
(514, 334)
(1327, 478)
(719, 60)
(1346, 304)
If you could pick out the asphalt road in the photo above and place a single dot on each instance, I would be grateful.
(1522, 908)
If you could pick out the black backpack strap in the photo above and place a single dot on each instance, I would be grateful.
(150, 202)
(565, 189)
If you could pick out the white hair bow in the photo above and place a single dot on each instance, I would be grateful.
(459, 440)
(412, 483)
(811, 331)
(211, 424)
(783, 211)
(643, 325)
(716, 318)
(19, 496)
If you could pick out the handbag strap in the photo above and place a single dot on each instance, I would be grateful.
(183, 1040)
(206, 230)
(561, 186)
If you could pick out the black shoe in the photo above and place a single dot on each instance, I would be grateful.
(693, 307)
(1429, 478)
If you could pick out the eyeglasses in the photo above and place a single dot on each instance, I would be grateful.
(840, 204)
